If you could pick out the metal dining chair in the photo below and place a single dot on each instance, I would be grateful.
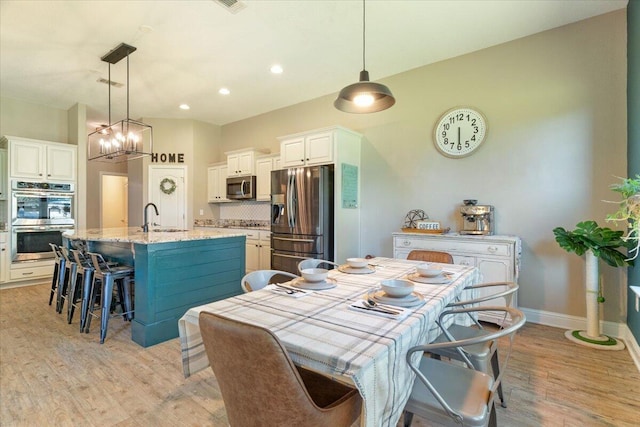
(430, 256)
(260, 278)
(452, 394)
(483, 356)
(261, 386)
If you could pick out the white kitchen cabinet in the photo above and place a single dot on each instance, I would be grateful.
(41, 160)
(3, 174)
(4, 254)
(242, 162)
(308, 149)
(217, 183)
(264, 166)
(497, 257)
(258, 250)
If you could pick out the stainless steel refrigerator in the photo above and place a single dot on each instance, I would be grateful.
(301, 216)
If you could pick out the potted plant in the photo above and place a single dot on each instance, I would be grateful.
(595, 243)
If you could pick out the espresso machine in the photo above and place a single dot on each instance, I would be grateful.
(476, 219)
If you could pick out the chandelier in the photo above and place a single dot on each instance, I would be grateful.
(124, 140)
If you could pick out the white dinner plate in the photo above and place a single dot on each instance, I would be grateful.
(350, 270)
(440, 280)
(314, 286)
(413, 300)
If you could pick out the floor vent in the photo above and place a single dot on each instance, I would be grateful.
(114, 84)
(233, 6)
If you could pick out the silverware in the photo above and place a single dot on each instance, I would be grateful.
(395, 313)
(370, 302)
(288, 289)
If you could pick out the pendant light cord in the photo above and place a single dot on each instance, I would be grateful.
(364, 24)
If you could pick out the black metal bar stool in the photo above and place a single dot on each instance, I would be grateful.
(80, 287)
(58, 270)
(68, 275)
(108, 275)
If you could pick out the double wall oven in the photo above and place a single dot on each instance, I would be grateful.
(40, 213)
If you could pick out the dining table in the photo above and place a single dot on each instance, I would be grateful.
(323, 331)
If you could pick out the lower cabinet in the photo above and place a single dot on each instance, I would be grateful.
(3, 257)
(258, 255)
(497, 257)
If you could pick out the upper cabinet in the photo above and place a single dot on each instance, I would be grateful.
(264, 166)
(307, 149)
(217, 183)
(242, 162)
(3, 174)
(41, 161)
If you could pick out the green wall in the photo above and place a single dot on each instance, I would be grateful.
(633, 139)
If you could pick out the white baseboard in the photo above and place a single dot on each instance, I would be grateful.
(564, 321)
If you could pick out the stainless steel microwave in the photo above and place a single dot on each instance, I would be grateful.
(241, 188)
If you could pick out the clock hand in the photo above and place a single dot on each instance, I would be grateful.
(458, 134)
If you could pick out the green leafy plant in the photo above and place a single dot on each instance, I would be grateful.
(603, 242)
(629, 211)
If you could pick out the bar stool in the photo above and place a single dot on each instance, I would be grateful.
(70, 268)
(80, 287)
(108, 275)
(58, 272)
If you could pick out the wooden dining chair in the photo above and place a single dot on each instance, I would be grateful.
(483, 356)
(430, 256)
(261, 386)
(452, 394)
(260, 278)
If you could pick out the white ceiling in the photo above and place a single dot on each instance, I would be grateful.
(50, 50)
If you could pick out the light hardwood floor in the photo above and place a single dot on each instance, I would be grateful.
(51, 375)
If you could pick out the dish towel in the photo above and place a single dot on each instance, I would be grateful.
(361, 307)
(287, 290)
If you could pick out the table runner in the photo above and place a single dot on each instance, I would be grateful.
(321, 333)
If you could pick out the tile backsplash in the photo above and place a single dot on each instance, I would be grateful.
(242, 214)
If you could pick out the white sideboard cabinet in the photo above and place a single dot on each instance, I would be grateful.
(497, 257)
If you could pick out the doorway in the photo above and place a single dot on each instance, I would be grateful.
(114, 200)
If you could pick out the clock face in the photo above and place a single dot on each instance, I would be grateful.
(459, 132)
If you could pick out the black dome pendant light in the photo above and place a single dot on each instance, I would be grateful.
(364, 96)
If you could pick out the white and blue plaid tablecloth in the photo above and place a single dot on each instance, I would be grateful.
(321, 333)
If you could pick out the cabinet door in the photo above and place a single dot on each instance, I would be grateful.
(263, 179)
(3, 258)
(233, 164)
(212, 185)
(3, 174)
(292, 152)
(265, 255)
(246, 163)
(61, 163)
(319, 149)
(252, 261)
(222, 183)
(27, 160)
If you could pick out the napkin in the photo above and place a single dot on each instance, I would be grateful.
(360, 307)
(282, 290)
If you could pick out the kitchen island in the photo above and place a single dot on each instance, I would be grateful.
(174, 271)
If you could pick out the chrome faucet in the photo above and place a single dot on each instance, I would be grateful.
(145, 226)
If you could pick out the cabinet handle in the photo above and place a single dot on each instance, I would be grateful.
(27, 273)
(406, 243)
(492, 249)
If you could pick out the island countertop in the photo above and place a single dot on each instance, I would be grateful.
(135, 235)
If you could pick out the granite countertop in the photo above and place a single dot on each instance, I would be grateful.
(135, 235)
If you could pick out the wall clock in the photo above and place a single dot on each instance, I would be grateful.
(459, 132)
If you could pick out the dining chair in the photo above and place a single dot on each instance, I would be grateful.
(261, 386)
(483, 356)
(454, 394)
(316, 263)
(430, 256)
(258, 279)
(58, 276)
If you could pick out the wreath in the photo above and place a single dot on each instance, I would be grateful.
(167, 186)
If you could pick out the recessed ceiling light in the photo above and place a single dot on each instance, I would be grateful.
(184, 107)
(276, 69)
(224, 91)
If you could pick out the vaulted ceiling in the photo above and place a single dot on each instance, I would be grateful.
(187, 50)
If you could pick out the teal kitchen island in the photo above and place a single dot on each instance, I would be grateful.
(174, 271)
